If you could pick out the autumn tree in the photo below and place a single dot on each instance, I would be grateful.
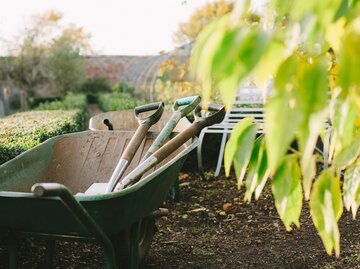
(45, 52)
(64, 63)
(188, 31)
(173, 76)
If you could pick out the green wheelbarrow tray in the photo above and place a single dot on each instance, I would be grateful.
(77, 161)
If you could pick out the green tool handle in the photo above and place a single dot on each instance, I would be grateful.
(189, 102)
(199, 123)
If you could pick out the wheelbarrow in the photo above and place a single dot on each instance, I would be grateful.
(121, 222)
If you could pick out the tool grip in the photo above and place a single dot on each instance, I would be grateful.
(189, 102)
(153, 118)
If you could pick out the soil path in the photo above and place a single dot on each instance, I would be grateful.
(93, 109)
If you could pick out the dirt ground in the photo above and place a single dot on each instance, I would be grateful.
(211, 227)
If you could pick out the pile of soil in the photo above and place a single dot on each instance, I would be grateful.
(211, 227)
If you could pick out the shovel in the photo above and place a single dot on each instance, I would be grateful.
(159, 155)
(144, 124)
(181, 108)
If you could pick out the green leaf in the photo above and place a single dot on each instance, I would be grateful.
(312, 84)
(270, 62)
(286, 188)
(326, 208)
(264, 173)
(343, 123)
(242, 157)
(325, 10)
(232, 144)
(226, 53)
(348, 154)
(217, 29)
(342, 10)
(349, 59)
(241, 50)
(252, 178)
(205, 48)
(286, 74)
(280, 127)
(308, 169)
(351, 188)
(258, 171)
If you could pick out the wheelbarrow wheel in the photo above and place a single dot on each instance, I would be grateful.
(145, 233)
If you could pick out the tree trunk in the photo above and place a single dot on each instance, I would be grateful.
(23, 103)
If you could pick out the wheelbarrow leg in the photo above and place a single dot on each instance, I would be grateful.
(50, 250)
(134, 245)
(13, 246)
(110, 261)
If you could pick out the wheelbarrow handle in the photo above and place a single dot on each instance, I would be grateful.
(153, 118)
(187, 103)
(79, 213)
(48, 189)
(200, 123)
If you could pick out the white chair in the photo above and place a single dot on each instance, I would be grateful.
(248, 103)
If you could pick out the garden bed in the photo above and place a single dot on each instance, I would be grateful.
(200, 234)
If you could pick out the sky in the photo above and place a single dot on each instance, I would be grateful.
(117, 27)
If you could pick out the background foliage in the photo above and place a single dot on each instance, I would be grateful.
(92, 86)
(47, 53)
(70, 102)
(310, 49)
(117, 101)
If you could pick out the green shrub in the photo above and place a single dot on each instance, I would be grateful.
(22, 131)
(71, 101)
(123, 87)
(35, 102)
(117, 101)
(93, 86)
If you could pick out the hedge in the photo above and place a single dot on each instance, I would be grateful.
(117, 101)
(22, 131)
(71, 101)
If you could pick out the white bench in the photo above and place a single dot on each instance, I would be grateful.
(248, 102)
